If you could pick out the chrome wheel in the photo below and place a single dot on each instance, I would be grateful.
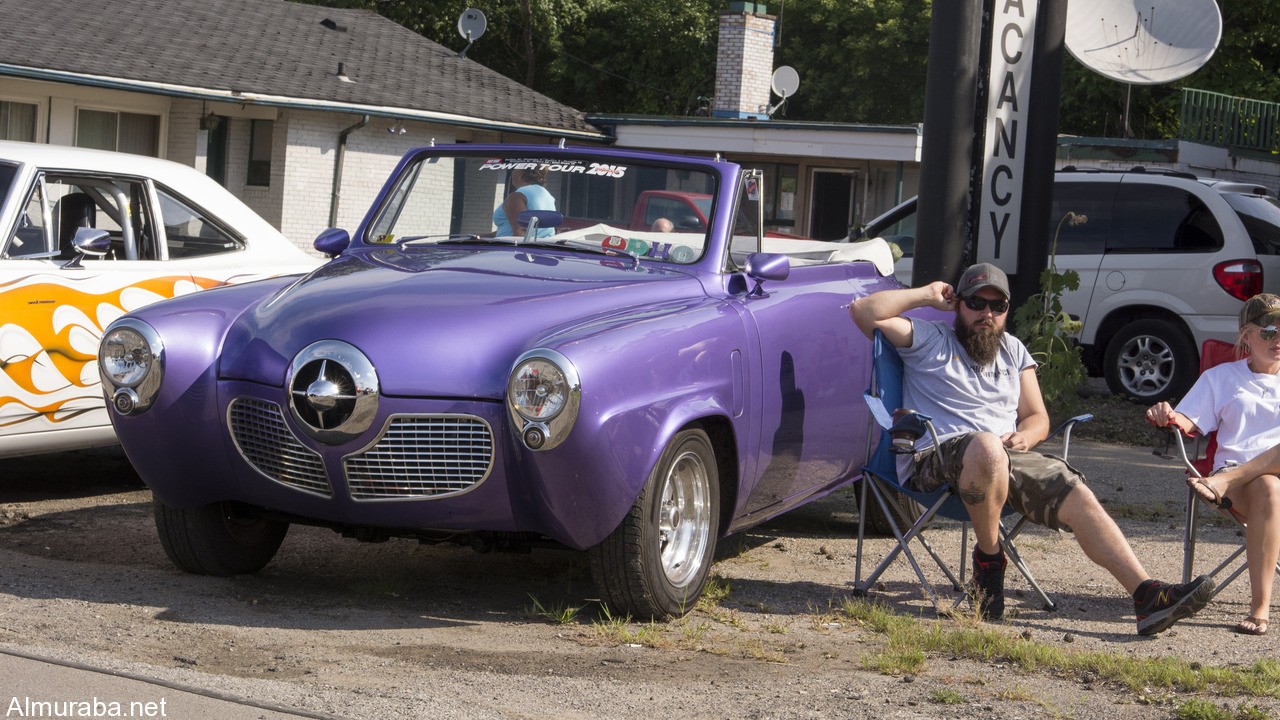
(684, 518)
(655, 564)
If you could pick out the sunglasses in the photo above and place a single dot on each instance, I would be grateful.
(978, 304)
(1268, 333)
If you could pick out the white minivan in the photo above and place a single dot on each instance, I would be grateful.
(1165, 261)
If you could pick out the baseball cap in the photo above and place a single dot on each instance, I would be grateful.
(1262, 309)
(984, 275)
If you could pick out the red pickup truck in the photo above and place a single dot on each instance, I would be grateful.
(686, 211)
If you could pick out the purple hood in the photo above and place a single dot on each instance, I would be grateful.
(443, 321)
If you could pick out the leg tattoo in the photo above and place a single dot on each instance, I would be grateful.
(973, 495)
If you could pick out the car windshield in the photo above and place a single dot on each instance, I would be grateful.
(651, 211)
(1261, 217)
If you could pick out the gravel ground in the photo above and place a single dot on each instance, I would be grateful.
(333, 627)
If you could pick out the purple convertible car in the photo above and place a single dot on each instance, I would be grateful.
(629, 392)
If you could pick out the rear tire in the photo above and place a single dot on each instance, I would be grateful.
(656, 563)
(222, 539)
(1150, 360)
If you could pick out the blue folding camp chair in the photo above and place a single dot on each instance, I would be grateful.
(880, 481)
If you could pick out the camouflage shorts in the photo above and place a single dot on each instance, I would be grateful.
(1038, 483)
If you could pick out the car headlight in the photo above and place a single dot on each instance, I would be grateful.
(131, 362)
(543, 392)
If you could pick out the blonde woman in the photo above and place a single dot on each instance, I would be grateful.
(1241, 401)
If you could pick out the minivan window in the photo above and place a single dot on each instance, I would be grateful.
(1162, 218)
(1092, 201)
(1261, 217)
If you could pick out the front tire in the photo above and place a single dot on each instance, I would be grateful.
(222, 539)
(1150, 360)
(656, 563)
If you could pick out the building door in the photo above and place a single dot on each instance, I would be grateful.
(831, 205)
(216, 149)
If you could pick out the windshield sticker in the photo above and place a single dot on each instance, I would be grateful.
(667, 252)
(575, 167)
(753, 189)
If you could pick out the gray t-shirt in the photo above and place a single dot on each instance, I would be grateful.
(941, 381)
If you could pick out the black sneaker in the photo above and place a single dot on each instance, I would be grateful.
(1161, 604)
(986, 589)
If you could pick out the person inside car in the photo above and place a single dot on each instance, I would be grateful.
(528, 193)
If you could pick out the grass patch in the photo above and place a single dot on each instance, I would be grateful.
(559, 613)
(910, 642)
(621, 631)
(1196, 709)
(947, 696)
(716, 591)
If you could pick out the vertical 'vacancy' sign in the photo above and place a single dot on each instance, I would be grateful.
(1009, 92)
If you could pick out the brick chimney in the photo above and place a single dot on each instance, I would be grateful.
(744, 62)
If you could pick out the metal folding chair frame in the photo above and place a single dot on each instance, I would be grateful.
(1192, 523)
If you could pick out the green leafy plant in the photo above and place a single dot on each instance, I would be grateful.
(1049, 333)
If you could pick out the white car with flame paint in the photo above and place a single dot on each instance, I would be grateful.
(86, 236)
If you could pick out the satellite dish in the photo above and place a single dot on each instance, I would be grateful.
(785, 82)
(471, 25)
(1143, 42)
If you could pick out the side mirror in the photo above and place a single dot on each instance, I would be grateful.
(332, 242)
(91, 241)
(766, 266)
(88, 241)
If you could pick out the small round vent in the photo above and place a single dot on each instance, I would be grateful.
(333, 391)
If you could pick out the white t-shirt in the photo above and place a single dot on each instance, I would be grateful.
(1241, 405)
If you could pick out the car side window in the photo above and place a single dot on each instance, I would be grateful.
(189, 231)
(110, 204)
(30, 237)
(1091, 201)
(1162, 218)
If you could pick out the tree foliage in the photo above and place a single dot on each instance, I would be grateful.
(858, 60)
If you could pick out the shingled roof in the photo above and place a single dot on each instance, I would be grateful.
(269, 51)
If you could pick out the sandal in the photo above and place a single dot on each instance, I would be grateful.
(1252, 626)
(1214, 497)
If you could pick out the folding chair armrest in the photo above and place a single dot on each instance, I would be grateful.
(1065, 431)
(1177, 435)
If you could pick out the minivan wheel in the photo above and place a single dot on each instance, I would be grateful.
(1150, 360)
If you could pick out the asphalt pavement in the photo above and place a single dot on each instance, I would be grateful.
(39, 687)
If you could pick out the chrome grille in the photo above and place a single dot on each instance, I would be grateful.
(422, 456)
(265, 441)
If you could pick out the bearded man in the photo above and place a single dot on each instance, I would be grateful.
(978, 384)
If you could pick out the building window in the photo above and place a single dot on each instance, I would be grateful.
(17, 121)
(260, 138)
(779, 193)
(126, 132)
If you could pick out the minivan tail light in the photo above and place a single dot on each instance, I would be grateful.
(1242, 279)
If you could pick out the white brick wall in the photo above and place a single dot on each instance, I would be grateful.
(744, 64)
(371, 155)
